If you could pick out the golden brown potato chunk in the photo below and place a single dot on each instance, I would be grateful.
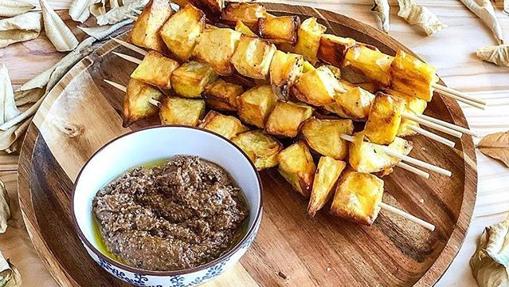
(155, 69)
(317, 87)
(244, 29)
(371, 62)
(413, 105)
(384, 119)
(326, 176)
(216, 47)
(260, 147)
(297, 167)
(412, 77)
(332, 49)
(284, 70)
(212, 7)
(308, 39)
(145, 32)
(227, 126)
(323, 136)
(369, 157)
(190, 79)
(180, 111)
(281, 29)
(248, 13)
(222, 95)
(354, 104)
(189, 20)
(286, 118)
(139, 102)
(358, 197)
(252, 57)
(256, 104)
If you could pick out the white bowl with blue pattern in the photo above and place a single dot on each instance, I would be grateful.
(136, 148)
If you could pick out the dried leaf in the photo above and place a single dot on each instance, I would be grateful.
(28, 97)
(118, 14)
(418, 15)
(20, 28)
(5, 212)
(115, 3)
(490, 262)
(506, 6)
(8, 109)
(10, 8)
(13, 134)
(97, 9)
(9, 275)
(496, 146)
(56, 30)
(382, 11)
(484, 10)
(499, 55)
(101, 32)
(79, 10)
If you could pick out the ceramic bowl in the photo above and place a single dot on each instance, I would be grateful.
(136, 148)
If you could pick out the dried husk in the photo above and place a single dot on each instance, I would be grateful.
(420, 16)
(496, 146)
(20, 28)
(98, 8)
(382, 11)
(115, 3)
(56, 30)
(8, 109)
(79, 10)
(5, 212)
(485, 11)
(498, 55)
(121, 13)
(9, 275)
(490, 262)
(101, 32)
(11, 8)
(506, 6)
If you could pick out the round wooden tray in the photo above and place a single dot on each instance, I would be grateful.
(291, 248)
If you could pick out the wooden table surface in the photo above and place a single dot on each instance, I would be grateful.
(450, 50)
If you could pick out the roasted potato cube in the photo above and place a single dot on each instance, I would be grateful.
(332, 49)
(297, 167)
(308, 39)
(412, 104)
(358, 197)
(180, 111)
(326, 176)
(244, 29)
(284, 70)
(216, 47)
(190, 79)
(227, 126)
(335, 108)
(137, 102)
(355, 103)
(307, 66)
(371, 62)
(256, 104)
(286, 118)
(413, 77)
(384, 119)
(281, 29)
(260, 147)
(155, 69)
(248, 13)
(180, 33)
(145, 32)
(317, 87)
(212, 7)
(323, 136)
(252, 57)
(369, 157)
(222, 95)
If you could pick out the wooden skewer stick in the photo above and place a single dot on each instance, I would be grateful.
(448, 125)
(128, 58)
(413, 169)
(432, 136)
(442, 88)
(408, 216)
(406, 158)
(116, 85)
(432, 125)
(458, 98)
(131, 46)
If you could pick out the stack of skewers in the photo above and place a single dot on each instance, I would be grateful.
(272, 80)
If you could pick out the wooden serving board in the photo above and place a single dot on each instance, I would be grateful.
(291, 248)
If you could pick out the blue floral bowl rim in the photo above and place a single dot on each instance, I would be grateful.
(140, 271)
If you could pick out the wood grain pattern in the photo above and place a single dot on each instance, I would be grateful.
(392, 252)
